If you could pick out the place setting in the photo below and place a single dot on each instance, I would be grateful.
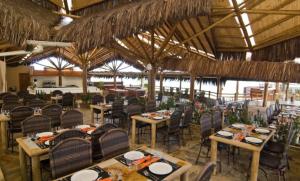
(86, 128)
(43, 139)
(263, 131)
(94, 173)
(224, 134)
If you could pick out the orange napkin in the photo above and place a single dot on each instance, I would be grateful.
(104, 179)
(87, 129)
(146, 164)
(45, 138)
(142, 160)
(239, 137)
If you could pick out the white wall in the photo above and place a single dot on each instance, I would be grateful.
(65, 80)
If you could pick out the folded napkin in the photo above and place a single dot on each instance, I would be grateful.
(146, 164)
(87, 129)
(142, 160)
(239, 137)
(45, 138)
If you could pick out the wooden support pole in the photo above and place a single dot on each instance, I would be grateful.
(84, 78)
(200, 84)
(59, 78)
(192, 87)
(218, 88)
(265, 94)
(115, 81)
(277, 91)
(161, 79)
(151, 83)
(287, 91)
(237, 91)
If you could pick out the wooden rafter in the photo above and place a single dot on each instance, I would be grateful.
(211, 45)
(243, 27)
(166, 41)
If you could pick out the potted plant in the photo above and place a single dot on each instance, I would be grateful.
(86, 100)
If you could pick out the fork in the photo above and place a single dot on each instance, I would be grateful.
(153, 177)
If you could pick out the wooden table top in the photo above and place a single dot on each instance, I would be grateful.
(114, 166)
(149, 120)
(241, 144)
(4, 118)
(104, 106)
(30, 147)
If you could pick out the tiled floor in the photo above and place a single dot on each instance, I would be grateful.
(230, 172)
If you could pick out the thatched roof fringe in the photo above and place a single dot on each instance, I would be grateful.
(21, 20)
(101, 28)
(247, 70)
(241, 56)
(280, 52)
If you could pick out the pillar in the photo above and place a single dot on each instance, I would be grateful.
(218, 87)
(237, 91)
(161, 79)
(265, 94)
(59, 78)
(192, 86)
(84, 79)
(287, 91)
(151, 83)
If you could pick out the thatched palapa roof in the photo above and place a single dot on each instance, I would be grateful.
(100, 29)
(22, 20)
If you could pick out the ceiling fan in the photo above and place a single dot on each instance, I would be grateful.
(35, 47)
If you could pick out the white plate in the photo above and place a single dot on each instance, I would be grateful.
(83, 126)
(272, 126)
(90, 131)
(158, 117)
(134, 155)
(238, 125)
(261, 130)
(47, 143)
(44, 134)
(161, 111)
(225, 133)
(160, 168)
(86, 175)
(145, 114)
(253, 140)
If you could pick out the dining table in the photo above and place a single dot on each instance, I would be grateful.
(36, 151)
(102, 107)
(238, 140)
(117, 169)
(150, 120)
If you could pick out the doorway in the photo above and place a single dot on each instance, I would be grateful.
(24, 81)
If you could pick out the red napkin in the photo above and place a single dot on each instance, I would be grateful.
(142, 160)
(87, 129)
(45, 138)
(146, 164)
(105, 179)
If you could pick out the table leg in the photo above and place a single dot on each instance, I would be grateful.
(254, 165)
(22, 163)
(102, 116)
(92, 115)
(133, 127)
(153, 135)
(3, 135)
(36, 169)
(184, 177)
(214, 152)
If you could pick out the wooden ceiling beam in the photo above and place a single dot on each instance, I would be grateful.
(273, 12)
(144, 48)
(166, 41)
(212, 47)
(198, 38)
(239, 16)
(137, 51)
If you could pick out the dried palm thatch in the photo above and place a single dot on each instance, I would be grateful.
(21, 20)
(280, 52)
(100, 29)
(242, 70)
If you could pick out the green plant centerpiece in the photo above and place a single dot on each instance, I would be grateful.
(103, 92)
(86, 99)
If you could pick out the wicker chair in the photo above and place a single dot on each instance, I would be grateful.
(57, 92)
(186, 121)
(10, 106)
(172, 129)
(95, 100)
(4, 94)
(27, 98)
(70, 155)
(72, 133)
(113, 143)
(71, 118)
(117, 112)
(110, 98)
(36, 103)
(151, 106)
(53, 112)
(17, 115)
(205, 131)
(207, 172)
(68, 101)
(22, 93)
(35, 124)
(96, 134)
(132, 100)
(10, 99)
(217, 121)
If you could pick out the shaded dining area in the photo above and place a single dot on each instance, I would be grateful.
(111, 90)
